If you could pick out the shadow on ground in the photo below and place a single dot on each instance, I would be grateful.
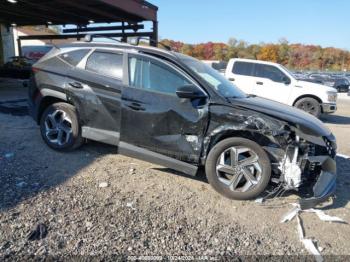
(336, 119)
(343, 183)
(25, 175)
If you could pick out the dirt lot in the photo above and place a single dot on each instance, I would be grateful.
(144, 209)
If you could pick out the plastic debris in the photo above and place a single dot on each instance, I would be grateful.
(259, 200)
(290, 215)
(130, 205)
(38, 233)
(308, 243)
(103, 185)
(324, 217)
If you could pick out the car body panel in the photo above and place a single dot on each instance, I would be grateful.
(163, 123)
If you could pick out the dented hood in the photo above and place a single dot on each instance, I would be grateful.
(307, 123)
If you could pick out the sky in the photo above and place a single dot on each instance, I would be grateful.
(319, 22)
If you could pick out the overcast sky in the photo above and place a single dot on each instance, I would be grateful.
(321, 22)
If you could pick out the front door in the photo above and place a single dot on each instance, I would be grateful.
(270, 83)
(154, 119)
(241, 76)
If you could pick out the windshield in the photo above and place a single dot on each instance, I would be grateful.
(213, 78)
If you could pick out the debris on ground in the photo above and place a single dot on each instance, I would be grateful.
(259, 200)
(308, 243)
(38, 233)
(130, 205)
(103, 185)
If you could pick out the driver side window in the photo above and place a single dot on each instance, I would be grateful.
(146, 74)
(269, 72)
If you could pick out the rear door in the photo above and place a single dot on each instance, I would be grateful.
(241, 75)
(269, 82)
(156, 124)
(95, 87)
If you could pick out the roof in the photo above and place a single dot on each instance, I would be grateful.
(254, 61)
(146, 49)
(79, 12)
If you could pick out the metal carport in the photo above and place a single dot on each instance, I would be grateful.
(130, 13)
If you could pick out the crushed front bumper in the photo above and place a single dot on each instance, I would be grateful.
(325, 186)
(328, 108)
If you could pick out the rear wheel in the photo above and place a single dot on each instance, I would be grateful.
(60, 128)
(309, 105)
(238, 168)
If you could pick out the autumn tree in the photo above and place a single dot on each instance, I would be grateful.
(295, 56)
(269, 53)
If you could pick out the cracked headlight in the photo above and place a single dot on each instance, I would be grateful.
(332, 96)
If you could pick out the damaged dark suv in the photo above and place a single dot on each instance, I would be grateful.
(172, 110)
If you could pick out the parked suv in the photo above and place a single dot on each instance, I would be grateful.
(275, 82)
(173, 110)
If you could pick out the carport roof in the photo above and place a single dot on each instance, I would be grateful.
(79, 12)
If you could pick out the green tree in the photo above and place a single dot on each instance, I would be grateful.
(283, 51)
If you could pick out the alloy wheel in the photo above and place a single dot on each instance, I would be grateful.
(58, 128)
(239, 169)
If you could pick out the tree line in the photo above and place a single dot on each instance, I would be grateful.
(294, 56)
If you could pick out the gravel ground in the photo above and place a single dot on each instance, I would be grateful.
(97, 203)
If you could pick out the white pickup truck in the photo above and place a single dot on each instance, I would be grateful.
(275, 82)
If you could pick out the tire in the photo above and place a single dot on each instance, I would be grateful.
(223, 183)
(61, 118)
(309, 105)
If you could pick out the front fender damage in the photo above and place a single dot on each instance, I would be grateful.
(300, 162)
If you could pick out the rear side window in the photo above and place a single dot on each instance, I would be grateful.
(243, 68)
(74, 57)
(107, 64)
(269, 72)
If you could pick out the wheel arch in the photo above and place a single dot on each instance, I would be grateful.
(307, 96)
(310, 96)
(45, 102)
(257, 137)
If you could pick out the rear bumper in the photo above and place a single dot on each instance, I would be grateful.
(325, 186)
(328, 108)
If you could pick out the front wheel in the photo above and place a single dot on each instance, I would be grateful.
(309, 105)
(238, 168)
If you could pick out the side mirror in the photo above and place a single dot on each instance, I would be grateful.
(190, 91)
(286, 80)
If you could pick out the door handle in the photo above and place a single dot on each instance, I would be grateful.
(260, 83)
(76, 85)
(136, 107)
(231, 79)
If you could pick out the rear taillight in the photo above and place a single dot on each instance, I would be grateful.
(35, 70)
